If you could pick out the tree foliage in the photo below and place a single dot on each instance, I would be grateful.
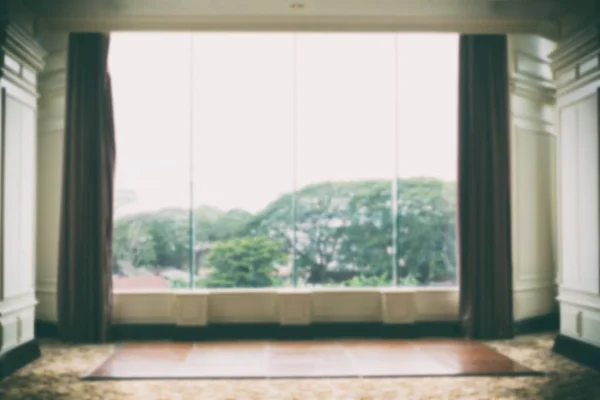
(245, 262)
(337, 231)
(156, 239)
(345, 229)
(161, 239)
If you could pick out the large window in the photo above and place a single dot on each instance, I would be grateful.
(284, 159)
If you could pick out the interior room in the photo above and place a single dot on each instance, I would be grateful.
(311, 199)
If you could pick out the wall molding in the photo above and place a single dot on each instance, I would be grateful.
(577, 44)
(570, 80)
(20, 44)
(578, 289)
(523, 69)
(523, 123)
(575, 61)
(526, 285)
(593, 305)
(521, 129)
(18, 303)
(578, 94)
(532, 90)
(579, 296)
(23, 58)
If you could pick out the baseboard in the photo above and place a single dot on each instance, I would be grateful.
(18, 357)
(45, 329)
(213, 332)
(542, 323)
(578, 351)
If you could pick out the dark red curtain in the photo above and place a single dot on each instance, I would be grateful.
(485, 260)
(84, 270)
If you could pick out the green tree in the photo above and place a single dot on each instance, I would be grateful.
(132, 243)
(245, 262)
(427, 229)
(161, 238)
(153, 239)
(170, 231)
(213, 224)
(368, 234)
(344, 229)
(322, 216)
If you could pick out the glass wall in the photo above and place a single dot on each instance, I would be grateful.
(152, 129)
(308, 159)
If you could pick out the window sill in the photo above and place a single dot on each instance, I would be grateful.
(285, 306)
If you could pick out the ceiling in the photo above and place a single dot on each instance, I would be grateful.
(437, 15)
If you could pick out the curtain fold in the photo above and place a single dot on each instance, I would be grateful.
(85, 253)
(485, 259)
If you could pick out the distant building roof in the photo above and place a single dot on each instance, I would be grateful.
(283, 271)
(140, 282)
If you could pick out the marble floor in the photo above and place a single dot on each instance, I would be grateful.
(306, 359)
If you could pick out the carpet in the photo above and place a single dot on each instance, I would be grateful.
(56, 376)
(305, 359)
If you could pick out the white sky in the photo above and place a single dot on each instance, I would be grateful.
(243, 119)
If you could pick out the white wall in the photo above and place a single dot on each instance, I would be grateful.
(576, 64)
(22, 59)
(533, 176)
(52, 88)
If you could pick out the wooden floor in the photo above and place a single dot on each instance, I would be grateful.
(326, 359)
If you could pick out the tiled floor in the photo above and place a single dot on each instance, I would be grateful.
(327, 359)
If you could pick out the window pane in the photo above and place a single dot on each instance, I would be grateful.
(267, 196)
(427, 158)
(345, 158)
(243, 164)
(151, 109)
